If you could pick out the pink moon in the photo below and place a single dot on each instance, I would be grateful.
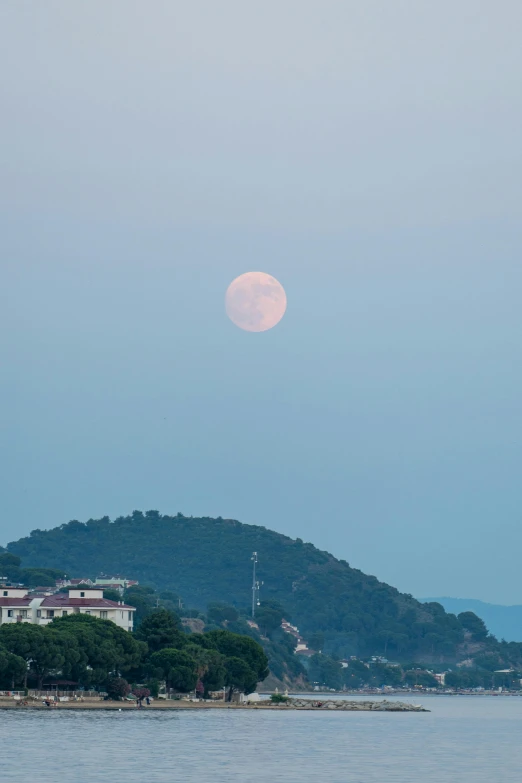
(255, 301)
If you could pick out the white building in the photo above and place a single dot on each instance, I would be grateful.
(74, 583)
(18, 606)
(115, 582)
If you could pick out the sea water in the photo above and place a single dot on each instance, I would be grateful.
(464, 739)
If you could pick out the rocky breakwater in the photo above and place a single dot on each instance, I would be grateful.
(355, 706)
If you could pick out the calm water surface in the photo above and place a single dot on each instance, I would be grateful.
(463, 739)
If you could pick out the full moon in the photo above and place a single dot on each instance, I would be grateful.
(255, 301)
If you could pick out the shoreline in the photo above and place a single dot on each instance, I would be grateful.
(315, 705)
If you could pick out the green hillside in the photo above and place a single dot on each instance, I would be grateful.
(207, 560)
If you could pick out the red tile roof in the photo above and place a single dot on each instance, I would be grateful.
(62, 599)
(15, 601)
(105, 586)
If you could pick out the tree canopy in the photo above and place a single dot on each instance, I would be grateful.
(10, 566)
(92, 652)
(208, 561)
(473, 624)
(161, 629)
(12, 669)
(177, 667)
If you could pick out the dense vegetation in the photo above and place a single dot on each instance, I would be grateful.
(89, 652)
(10, 567)
(325, 671)
(504, 622)
(278, 646)
(208, 560)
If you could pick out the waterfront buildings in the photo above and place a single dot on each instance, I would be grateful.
(17, 605)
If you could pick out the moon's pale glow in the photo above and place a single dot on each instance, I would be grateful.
(255, 301)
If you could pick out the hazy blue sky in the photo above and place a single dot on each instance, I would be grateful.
(367, 154)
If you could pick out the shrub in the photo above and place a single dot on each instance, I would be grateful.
(117, 688)
(154, 688)
(278, 698)
(141, 693)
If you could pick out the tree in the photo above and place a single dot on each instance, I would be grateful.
(239, 676)
(112, 595)
(269, 619)
(201, 657)
(33, 577)
(142, 598)
(10, 566)
(356, 674)
(326, 671)
(105, 647)
(13, 669)
(161, 630)
(220, 613)
(176, 667)
(456, 680)
(419, 677)
(210, 667)
(489, 661)
(214, 677)
(316, 641)
(380, 675)
(169, 600)
(74, 658)
(141, 693)
(8, 560)
(232, 645)
(154, 686)
(474, 625)
(37, 645)
(206, 559)
(117, 688)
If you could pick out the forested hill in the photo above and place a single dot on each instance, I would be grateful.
(206, 560)
(505, 622)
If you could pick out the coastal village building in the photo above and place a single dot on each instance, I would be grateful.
(102, 582)
(17, 605)
(73, 583)
(301, 646)
(114, 583)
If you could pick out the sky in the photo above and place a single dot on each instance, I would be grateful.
(366, 153)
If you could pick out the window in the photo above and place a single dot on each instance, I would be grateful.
(23, 613)
(87, 611)
(9, 612)
(50, 613)
(64, 613)
(6, 592)
(82, 595)
(38, 612)
(103, 615)
(130, 617)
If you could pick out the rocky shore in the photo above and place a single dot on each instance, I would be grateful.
(355, 706)
(291, 704)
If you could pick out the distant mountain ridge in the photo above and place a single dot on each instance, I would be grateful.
(206, 560)
(504, 622)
